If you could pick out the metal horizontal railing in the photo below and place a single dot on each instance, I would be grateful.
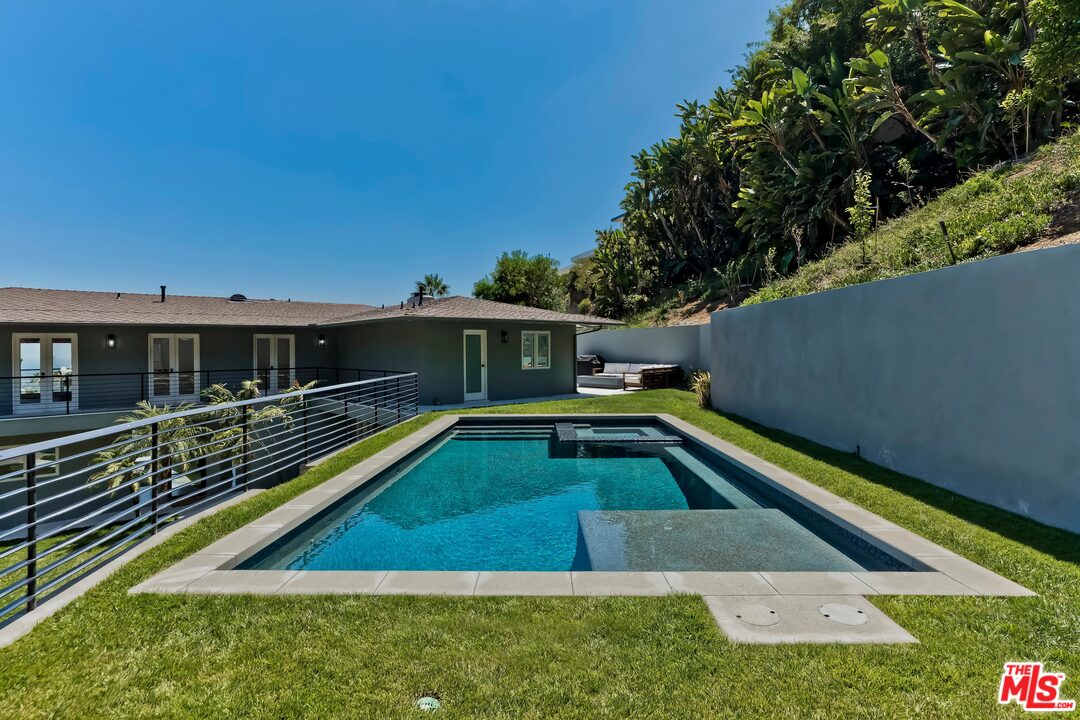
(71, 504)
(64, 393)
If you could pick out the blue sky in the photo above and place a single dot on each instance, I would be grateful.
(331, 150)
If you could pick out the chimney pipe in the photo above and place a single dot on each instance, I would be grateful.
(162, 293)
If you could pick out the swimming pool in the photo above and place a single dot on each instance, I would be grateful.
(556, 494)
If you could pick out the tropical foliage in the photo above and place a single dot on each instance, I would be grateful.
(853, 112)
(215, 439)
(433, 284)
(522, 279)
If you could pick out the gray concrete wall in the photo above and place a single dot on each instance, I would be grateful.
(435, 349)
(220, 348)
(685, 345)
(966, 377)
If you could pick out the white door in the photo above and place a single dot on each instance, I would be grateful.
(475, 353)
(174, 368)
(46, 365)
(275, 361)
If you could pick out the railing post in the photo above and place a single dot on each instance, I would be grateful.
(142, 386)
(348, 421)
(67, 394)
(244, 447)
(305, 401)
(31, 532)
(154, 462)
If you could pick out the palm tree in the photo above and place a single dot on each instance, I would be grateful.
(433, 285)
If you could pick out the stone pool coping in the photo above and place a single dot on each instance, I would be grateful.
(942, 572)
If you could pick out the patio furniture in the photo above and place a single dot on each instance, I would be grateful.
(589, 364)
(645, 376)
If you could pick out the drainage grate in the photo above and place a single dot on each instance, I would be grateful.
(844, 614)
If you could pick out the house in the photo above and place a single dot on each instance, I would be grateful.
(78, 359)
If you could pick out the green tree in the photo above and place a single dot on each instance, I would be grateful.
(522, 279)
(433, 284)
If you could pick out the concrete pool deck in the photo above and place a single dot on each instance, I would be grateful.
(797, 601)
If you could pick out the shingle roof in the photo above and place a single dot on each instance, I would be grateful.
(459, 307)
(31, 305)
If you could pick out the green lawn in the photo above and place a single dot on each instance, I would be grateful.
(114, 655)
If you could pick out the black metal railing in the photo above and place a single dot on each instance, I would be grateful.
(66, 393)
(69, 505)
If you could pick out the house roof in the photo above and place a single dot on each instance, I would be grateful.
(459, 307)
(32, 305)
(55, 307)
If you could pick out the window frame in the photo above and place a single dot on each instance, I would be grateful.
(41, 472)
(536, 345)
(43, 406)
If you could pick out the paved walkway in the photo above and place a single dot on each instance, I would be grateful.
(582, 392)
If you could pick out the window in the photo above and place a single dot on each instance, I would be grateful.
(19, 464)
(275, 359)
(535, 349)
(45, 364)
(174, 365)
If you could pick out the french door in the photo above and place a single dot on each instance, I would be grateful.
(45, 365)
(174, 368)
(275, 361)
(475, 355)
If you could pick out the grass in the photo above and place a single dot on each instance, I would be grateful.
(111, 654)
(993, 212)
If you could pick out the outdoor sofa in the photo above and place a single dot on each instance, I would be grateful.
(620, 376)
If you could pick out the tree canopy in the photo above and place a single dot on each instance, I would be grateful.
(852, 110)
(433, 284)
(522, 279)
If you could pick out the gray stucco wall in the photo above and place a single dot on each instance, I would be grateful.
(435, 349)
(966, 377)
(685, 345)
(220, 348)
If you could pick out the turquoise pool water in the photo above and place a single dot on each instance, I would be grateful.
(521, 499)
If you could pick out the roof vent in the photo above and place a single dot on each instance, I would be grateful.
(237, 297)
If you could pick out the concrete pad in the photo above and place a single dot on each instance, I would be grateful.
(416, 582)
(913, 583)
(976, 577)
(824, 498)
(855, 518)
(906, 542)
(333, 582)
(241, 582)
(524, 583)
(238, 541)
(281, 517)
(817, 583)
(719, 583)
(620, 583)
(179, 576)
(819, 619)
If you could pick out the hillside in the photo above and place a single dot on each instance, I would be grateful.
(1019, 206)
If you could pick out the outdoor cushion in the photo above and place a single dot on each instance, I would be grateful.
(615, 368)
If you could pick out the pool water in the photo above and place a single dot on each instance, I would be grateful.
(616, 497)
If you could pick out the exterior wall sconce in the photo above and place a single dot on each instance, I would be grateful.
(322, 341)
(504, 336)
(110, 341)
